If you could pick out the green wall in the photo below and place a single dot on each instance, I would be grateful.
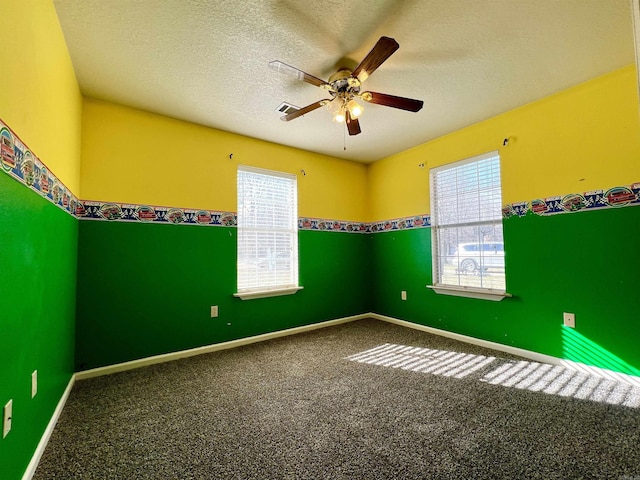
(146, 289)
(37, 311)
(41, 102)
(586, 263)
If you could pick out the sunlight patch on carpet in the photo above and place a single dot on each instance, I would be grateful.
(564, 381)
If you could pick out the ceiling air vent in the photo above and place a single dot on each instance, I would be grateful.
(286, 108)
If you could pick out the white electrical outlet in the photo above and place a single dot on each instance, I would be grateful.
(569, 319)
(8, 415)
(403, 295)
(214, 311)
(34, 383)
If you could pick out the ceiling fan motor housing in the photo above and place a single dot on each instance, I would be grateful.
(343, 84)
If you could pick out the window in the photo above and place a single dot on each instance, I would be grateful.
(466, 207)
(267, 233)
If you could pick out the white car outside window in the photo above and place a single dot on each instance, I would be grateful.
(479, 257)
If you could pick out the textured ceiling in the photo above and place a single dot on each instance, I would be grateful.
(205, 61)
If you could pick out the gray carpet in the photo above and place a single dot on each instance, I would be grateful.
(348, 402)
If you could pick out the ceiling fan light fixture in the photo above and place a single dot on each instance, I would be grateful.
(337, 109)
(355, 109)
(339, 117)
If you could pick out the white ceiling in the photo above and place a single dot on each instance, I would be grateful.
(205, 61)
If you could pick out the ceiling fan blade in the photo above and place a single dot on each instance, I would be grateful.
(382, 50)
(303, 110)
(278, 66)
(402, 103)
(353, 125)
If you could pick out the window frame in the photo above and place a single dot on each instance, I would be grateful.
(485, 293)
(277, 289)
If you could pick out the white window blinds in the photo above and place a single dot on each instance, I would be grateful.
(267, 230)
(466, 204)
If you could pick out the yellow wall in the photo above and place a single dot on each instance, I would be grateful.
(581, 139)
(584, 138)
(130, 156)
(39, 96)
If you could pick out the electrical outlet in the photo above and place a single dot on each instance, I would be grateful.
(214, 311)
(569, 319)
(403, 295)
(34, 383)
(8, 415)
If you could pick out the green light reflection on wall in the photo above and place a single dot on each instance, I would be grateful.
(578, 348)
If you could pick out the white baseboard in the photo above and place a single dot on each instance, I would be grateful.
(167, 357)
(538, 357)
(42, 444)
(521, 352)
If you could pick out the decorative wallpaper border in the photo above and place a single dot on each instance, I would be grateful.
(615, 197)
(89, 210)
(121, 212)
(18, 161)
(325, 224)
(404, 223)
(364, 227)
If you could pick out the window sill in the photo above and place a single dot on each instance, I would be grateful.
(266, 293)
(483, 294)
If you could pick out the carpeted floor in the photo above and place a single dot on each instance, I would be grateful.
(363, 400)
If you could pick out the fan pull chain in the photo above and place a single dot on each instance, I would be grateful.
(345, 138)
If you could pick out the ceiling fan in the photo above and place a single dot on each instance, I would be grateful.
(344, 87)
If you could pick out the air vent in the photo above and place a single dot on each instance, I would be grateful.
(286, 108)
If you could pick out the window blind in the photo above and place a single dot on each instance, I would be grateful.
(267, 230)
(466, 204)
